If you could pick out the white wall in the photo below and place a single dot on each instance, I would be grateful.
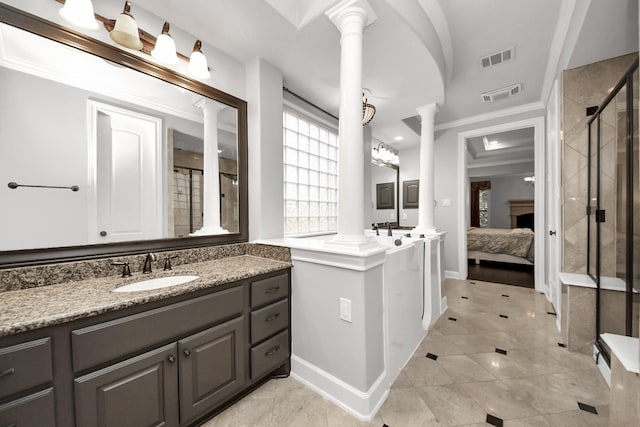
(504, 188)
(409, 170)
(266, 204)
(447, 176)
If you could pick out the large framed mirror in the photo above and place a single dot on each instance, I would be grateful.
(104, 153)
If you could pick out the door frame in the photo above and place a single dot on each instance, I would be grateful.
(93, 108)
(538, 124)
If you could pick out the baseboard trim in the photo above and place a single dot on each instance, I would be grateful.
(604, 369)
(448, 274)
(362, 405)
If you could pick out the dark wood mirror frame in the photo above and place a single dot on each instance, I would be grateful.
(50, 30)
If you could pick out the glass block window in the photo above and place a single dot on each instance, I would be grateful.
(310, 176)
(484, 208)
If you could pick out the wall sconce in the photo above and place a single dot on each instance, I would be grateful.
(198, 62)
(383, 153)
(79, 13)
(368, 111)
(125, 32)
(165, 49)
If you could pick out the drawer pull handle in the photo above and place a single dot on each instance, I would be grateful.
(12, 425)
(171, 359)
(186, 352)
(272, 351)
(272, 290)
(272, 317)
(6, 372)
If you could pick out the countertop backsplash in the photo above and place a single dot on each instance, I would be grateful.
(51, 274)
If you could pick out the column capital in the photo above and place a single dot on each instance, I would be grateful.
(351, 8)
(209, 105)
(428, 110)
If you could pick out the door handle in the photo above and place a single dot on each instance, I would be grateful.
(552, 232)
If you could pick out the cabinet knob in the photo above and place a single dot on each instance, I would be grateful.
(171, 359)
(186, 352)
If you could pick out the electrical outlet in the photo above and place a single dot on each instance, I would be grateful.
(446, 202)
(345, 309)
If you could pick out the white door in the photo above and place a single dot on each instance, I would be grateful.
(127, 175)
(553, 197)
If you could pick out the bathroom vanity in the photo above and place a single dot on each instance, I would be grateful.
(80, 354)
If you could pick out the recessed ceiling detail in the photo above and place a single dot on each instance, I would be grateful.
(502, 93)
(497, 57)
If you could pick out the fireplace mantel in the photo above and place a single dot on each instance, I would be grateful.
(520, 207)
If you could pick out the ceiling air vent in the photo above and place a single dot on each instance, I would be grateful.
(502, 93)
(497, 58)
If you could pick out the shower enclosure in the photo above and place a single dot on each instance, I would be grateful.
(613, 211)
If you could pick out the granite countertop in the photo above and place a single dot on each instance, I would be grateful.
(28, 309)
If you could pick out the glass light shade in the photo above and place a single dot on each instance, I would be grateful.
(368, 111)
(79, 13)
(125, 32)
(165, 50)
(198, 66)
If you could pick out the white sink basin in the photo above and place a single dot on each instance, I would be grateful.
(160, 282)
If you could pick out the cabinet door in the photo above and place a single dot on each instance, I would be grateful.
(212, 367)
(141, 391)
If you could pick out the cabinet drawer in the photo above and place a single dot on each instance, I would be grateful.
(34, 410)
(270, 354)
(24, 366)
(271, 289)
(269, 320)
(107, 341)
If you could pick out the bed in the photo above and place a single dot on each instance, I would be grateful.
(514, 246)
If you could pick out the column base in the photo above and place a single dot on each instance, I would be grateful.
(209, 230)
(416, 232)
(355, 243)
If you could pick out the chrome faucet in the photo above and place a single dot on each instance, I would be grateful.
(389, 233)
(146, 269)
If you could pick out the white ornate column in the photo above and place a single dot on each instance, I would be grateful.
(210, 178)
(426, 191)
(350, 17)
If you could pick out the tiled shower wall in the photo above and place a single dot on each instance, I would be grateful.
(583, 87)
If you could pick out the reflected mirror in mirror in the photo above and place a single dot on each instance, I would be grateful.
(151, 160)
(384, 192)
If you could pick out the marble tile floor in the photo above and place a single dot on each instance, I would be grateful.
(536, 383)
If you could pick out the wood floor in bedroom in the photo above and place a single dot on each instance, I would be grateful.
(499, 272)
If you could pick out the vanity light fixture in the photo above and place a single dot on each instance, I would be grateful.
(125, 32)
(79, 13)
(368, 111)
(383, 153)
(198, 62)
(165, 49)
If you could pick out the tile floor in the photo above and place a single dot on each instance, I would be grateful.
(537, 383)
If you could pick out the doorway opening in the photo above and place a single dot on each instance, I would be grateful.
(502, 219)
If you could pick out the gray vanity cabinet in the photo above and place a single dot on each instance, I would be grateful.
(212, 367)
(141, 391)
